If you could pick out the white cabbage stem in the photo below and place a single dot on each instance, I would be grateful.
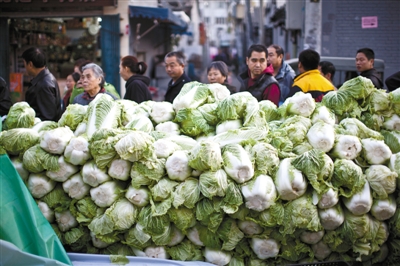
(265, 248)
(75, 187)
(105, 194)
(328, 199)
(177, 166)
(47, 212)
(39, 185)
(217, 257)
(157, 252)
(250, 228)
(361, 202)
(331, 218)
(138, 196)
(383, 209)
(310, 237)
(193, 235)
(260, 194)
(321, 136)
(347, 147)
(289, 182)
(120, 169)
(375, 151)
(65, 220)
(321, 250)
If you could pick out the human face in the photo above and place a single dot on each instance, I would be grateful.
(124, 72)
(173, 68)
(257, 63)
(273, 58)
(29, 68)
(70, 82)
(215, 76)
(90, 83)
(362, 62)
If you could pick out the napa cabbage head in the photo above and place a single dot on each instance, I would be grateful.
(43, 126)
(296, 127)
(16, 141)
(135, 145)
(192, 95)
(355, 127)
(102, 145)
(192, 122)
(300, 213)
(300, 103)
(358, 88)
(379, 101)
(237, 163)
(103, 112)
(141, 123)
(206, 155)
(209, 113)
(342, 103)
(323, 113)
(241, 105)
(348, 177)
(311, 164)
(270, 110)
(266, 158)
(73, 115)
(20, 115)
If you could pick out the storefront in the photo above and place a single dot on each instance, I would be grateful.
(65, 30)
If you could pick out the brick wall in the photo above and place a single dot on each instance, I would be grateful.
(342, 34)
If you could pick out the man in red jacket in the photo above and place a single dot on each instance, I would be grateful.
(259, 78)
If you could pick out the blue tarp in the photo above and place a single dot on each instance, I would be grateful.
(163, 14)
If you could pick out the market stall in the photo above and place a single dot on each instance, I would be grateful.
(219, 178)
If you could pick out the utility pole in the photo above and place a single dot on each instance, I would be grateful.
(312, 25)
(249, 26)
(261, 19)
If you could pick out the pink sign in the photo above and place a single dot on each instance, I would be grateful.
(369, 22)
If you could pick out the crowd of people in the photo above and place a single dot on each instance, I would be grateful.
(267, 77)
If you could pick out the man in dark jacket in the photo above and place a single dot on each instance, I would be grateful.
(365, 65)
(43, 95)
(5, 100)
(259, 79)
(393, 81)
(175, 68)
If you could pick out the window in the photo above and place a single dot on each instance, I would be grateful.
(207, 20)
(220, 20)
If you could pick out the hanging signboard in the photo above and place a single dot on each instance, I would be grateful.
(56, 4)
(369, 22)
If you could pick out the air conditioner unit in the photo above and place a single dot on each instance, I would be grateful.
(295, 10)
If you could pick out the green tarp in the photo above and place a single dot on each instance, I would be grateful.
(22, 222)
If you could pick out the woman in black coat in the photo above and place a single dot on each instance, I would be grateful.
(137, 85)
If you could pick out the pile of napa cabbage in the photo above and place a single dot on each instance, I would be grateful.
(218, 177)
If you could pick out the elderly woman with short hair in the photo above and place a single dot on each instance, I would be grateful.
(93, 84)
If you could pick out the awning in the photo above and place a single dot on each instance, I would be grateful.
(162, 14)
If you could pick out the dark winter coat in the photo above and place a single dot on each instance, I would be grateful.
(374, 76)
(44, 96)
(137, 89)
(5, 100)
(174, 89)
